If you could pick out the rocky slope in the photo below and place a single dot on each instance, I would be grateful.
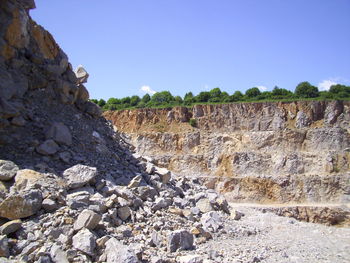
(71, 189)
(295, 152)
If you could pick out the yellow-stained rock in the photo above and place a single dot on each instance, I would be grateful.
(8, 52)
(17, 32)
(21, 205)
(47, 45)
(27, 178)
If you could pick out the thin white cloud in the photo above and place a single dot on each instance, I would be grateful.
(262, 88)
(147, 89)
(326, 84)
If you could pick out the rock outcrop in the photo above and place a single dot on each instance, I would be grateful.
(288, 152)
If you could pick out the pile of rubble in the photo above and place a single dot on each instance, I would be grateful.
(81, 217)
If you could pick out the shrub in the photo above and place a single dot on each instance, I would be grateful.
(193, 122)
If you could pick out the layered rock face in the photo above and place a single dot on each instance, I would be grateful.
(295, 152)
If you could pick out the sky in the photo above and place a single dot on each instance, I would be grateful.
(130, 47)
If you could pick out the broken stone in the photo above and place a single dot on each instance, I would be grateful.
(8, 170)
(58, 255)
(204, 205)
(59, 133)
(124, 213)
(180, 240)
(79, 175)
(117, 252)
(81, 74)
(236, 215)
(212, 221)
(21, 205)
(4, 247)
(26, 179)
(49, 205)
(49, 147)
(87, 219)
(135, 182)
(156, 239)
(85, 241)
(165, 174)
(10, 227)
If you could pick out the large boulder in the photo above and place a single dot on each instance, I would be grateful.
(8, 170)
(10, 227)
(88, 219)
(180, 240)
(48, 147)
(58, 255)
(26, 179)
(212, 221)
(116, 252)
(81, 74)
(21, 205)
(59, 133)
(79, 175)
(204, 205)
(85, 241)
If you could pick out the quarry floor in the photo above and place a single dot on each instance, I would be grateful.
(266, 237)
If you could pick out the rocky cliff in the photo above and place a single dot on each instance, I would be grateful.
(254, 152)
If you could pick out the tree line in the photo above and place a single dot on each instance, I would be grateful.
(303, 90)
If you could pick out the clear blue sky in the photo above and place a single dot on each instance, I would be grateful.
(196, 45)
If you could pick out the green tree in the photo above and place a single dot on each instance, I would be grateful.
(340, 91)
(203, 96)
(253, 92)
(125, 100)
(281, 92)
(188, 96)
(306, 90)
(114, 101)
(94, 101)
(162, 98)
(178, 100)
(101, 102)
(215, 95)
(146, 98)
(134, 100)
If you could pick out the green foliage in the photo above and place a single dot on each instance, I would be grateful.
(340, 91)
(101, 102)
(159, 98)
(164, 99)
(113, 101)
(188, 99)
(193, 122)
(146, 98)
(203, 96)
(134, 100)
(306, 90)
(253, 92)
(178, 100)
